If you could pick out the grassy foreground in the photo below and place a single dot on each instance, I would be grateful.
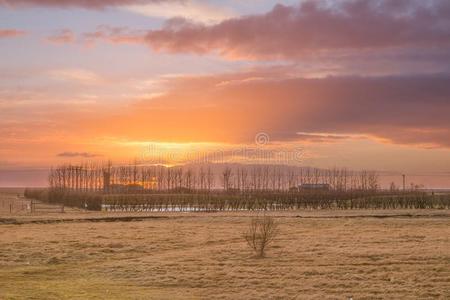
(205, 257)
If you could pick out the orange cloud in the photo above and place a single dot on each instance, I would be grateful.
(232, 108)
(77, 154)
(404, 110)
(350, 121)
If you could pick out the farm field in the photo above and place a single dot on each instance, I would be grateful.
(323, 254)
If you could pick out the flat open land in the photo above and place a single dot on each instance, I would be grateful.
(326, 254)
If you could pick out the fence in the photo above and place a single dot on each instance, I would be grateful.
(42, 207)
(14, 205)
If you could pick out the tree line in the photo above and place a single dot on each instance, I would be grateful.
(107, 178)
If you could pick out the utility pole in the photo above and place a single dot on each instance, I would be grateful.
(404, 182)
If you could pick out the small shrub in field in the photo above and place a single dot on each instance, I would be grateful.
(260, 233)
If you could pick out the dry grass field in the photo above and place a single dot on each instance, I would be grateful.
(204, 256)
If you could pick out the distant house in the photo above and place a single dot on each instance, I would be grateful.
(314, 186)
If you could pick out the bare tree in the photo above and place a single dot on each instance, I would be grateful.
(209, 179)
(188, 179)
(261, 232)
(244, 179)
(226, 176)
(202, 179)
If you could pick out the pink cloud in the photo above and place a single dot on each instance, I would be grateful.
(90, 4)
(10, 33)
(103, 33)
(115, 35)
(349, 37)
(312, 28)
(64, 36)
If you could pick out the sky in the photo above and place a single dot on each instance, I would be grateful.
(362, 84)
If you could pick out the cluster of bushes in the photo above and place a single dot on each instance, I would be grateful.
(275, 201)
(84, 200)
(38, 194)
(401, 201)
(171, 202)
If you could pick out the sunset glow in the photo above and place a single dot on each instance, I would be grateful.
(359, 84)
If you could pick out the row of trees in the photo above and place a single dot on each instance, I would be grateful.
(231, 178)
(258, 201)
